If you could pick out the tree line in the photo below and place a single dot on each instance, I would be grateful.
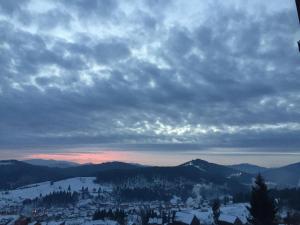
(117, 215)
(287, 197)
(60, 198)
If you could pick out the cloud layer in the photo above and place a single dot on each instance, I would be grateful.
(209, 74)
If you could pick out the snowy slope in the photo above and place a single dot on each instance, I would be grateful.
(35, 190)
(206, 215)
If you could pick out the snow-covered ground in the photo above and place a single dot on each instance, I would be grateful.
(44, 188)
(239, 210)
(235, 175)
(206, 215)
(83, 210)
(195, 165)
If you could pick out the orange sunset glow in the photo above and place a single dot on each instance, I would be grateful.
(162, 158)
(142, 157)
(98, 157)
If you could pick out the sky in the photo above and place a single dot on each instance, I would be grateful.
(150, 81)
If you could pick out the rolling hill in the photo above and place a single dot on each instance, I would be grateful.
(15, 173)
(249, 168)
(51, 163)
(192, 172)
(286, 176)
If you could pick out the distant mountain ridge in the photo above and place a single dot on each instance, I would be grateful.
(192, 172)
(51, 163)
(15, 173)
(249, 168)
(93, 169)
(285, 176)
(222, 170)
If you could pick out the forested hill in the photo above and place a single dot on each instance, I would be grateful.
(15, 173)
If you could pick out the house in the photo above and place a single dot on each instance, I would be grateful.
(8, 219)
(229, 220)
(37, 223)
(56, 223)
(100, 222)
(134, 219)
(185, 218)
(155, 221)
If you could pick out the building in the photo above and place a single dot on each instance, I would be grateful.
(155, 221)
(185, 218)
(229, 220)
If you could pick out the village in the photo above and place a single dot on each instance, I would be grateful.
(97, 204)
(135, 213)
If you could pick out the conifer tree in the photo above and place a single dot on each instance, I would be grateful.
(262, 208)
(216, 210)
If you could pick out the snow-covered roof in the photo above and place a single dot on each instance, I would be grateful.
(184, 217)
(240, 210)
(205, 217)
(54, 223)
(11, 218)
(227, 218)
(6, 217)
(101, 222)
(75, 222)
(155, 220)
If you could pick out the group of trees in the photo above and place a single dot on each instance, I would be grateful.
(146, 214)
(241, 197)
(56, 198)
(262, 209)
(152, 193)
(117, 215)
(143, 194)
(216, 210)
(289, 197)
(60, 198)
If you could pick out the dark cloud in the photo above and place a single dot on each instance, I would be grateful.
(102, 8)
(133, 76)
(52, 19)
(105, 52)
(12, 6)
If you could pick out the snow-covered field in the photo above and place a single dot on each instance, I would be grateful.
(44, 188)
(239, 210)
(206, 215)
(14, 198)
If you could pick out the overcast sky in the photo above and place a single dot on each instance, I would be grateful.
(151, 75)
